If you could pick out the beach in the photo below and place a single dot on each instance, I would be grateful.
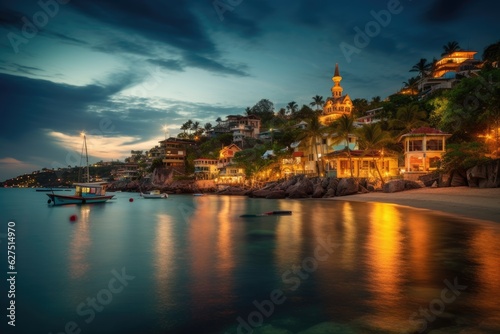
(475, 203)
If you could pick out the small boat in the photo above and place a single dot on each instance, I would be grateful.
(85, 193)
(154, 194)
(198, 194)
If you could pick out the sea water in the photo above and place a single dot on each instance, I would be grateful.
(191, 264)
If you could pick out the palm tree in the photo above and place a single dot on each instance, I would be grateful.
(407, 118)
(422, 67)
(317, 101)
(450, 48)
(341, 129)
(282, 113)
(208, 127)
(314, 131)
(372, 138)
(292, 107)
(185, 127)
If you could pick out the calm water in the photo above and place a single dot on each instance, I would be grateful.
(192, 265)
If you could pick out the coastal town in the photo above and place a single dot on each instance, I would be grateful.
(443, 121)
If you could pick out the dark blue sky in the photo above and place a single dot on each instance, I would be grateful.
(120, 70)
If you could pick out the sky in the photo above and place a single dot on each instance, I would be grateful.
(122, 70)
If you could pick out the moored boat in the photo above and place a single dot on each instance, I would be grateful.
(85, 193)
(154, 194)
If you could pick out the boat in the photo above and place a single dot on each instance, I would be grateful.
(198, 194)
(154, 194)
(85, 192)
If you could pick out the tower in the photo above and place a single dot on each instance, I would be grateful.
(336, 89)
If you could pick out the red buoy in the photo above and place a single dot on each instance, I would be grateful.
(73, 218)
(130, 199)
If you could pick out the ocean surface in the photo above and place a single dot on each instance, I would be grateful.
(192, 265)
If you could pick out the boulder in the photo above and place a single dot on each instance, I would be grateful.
(262, 193)
(362, 190)
(324, 182)
(348, 186)
(298, 193)
(330, 192)
(370, 187)
(414, 184)
(276, 194)
(319, 191)
(334, 182)
(307, 186)
(394, 186)
(458, 179)
(484, 176)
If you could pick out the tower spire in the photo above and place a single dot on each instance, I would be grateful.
(336, 89)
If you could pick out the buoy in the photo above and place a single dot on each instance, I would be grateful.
(73, 218)
(131, 200)
(49, 201)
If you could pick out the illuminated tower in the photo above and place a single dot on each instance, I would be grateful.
(336, 89)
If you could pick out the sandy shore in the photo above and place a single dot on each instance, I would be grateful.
(468, 202)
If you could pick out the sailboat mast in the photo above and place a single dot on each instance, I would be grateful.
(87, 157)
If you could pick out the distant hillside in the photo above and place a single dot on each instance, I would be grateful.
(56, 178)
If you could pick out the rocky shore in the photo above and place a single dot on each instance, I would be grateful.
(300, 186)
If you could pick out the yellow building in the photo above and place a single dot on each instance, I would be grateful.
(423, 149)
(228, 172)
(338, 104)
(362, 164)
(205, 168)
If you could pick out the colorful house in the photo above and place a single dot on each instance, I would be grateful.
(423, 149)
(228, 172)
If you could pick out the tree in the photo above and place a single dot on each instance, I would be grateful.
(341, 128)
(311, 134)
(292, 107)
(195, 127)
(207, 127)
(491, 54)
(372, 138)
(407, 118)
(317, 102)
(450, 47)
(264, 109)
(422, 67)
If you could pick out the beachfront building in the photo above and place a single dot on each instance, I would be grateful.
(205, 168)
(228, 172)
(423, 149)
(240, 126)
(338, 104)
(366, 164)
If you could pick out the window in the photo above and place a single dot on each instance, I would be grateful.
(415, 145)
(435, 145)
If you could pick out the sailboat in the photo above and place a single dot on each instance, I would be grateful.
(86, 192)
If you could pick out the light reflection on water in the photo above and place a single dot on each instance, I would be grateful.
(199, 266)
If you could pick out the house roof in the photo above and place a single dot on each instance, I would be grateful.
(355, 154)
(426, 130)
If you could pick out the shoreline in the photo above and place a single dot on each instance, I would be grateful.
(465, 202)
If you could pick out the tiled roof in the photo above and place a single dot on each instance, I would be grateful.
(426, 130)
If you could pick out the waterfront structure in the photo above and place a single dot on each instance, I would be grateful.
(205, 168)
(338, 104)
(423, 149)
(361, 163)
